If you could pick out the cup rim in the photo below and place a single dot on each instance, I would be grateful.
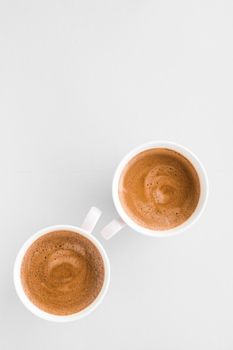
(203, 183)
(35, 309)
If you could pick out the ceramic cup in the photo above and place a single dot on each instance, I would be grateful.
(124, 219)
(85, 230)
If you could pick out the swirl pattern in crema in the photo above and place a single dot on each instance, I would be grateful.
(62, 272)
(159, 189)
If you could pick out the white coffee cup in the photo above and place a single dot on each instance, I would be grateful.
(85, 230)
(124, 219)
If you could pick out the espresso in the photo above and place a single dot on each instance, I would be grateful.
(62, 272)
(159, 189)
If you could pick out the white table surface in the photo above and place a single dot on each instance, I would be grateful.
(81, 83)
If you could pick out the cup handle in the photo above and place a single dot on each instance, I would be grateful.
(112, 228)
(91, 219)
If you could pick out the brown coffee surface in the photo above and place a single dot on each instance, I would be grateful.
(159, 189)
(62, 272)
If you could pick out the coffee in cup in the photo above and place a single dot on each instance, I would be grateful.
(159, 189)
(62, 272)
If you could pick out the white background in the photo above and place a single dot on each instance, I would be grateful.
(81, 83)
